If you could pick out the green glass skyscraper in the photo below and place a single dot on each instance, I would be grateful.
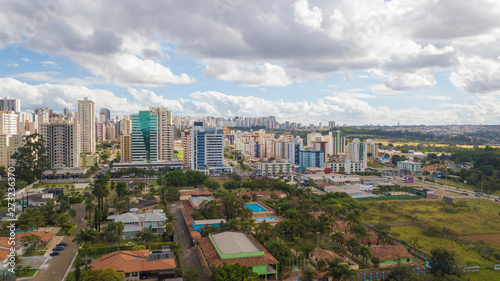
(145, 137)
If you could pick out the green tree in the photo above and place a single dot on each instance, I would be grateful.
(86, 238)
(234, 272)
(121, 189)
(31, 159)
(212, 184)
(443, 263)
(191, 275)
(107, 274)
(172, 194)
(77, 268)
(308, 273)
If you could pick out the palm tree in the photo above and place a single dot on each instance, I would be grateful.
(89, 207)
(308, 273)
(344, 272)
(338, 237)
(363, 251)
(86, 238)
(352, 243)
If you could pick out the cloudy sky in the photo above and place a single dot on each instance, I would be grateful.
(309, 61)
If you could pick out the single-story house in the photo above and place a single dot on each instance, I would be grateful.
(139, 264)
(391, 255)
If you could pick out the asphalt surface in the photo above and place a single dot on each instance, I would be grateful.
(55, 267)
(189, 258)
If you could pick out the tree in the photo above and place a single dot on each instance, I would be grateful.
(173, 194)
(211, 184)
(146, 236)
(443, 263)
(121, 189)
(191, 275)
(234, 272)
(31, 159)
(308, 273)
(86, 238)
(77, 268)
(108, 274)
(364, 252)
(140, 188)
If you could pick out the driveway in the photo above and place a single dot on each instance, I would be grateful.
(189, 258)
(54, 268)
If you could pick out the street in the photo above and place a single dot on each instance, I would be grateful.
(189, 258)
(56, 267)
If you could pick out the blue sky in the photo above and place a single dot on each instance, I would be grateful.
(431, 62)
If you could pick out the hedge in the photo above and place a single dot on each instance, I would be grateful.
(110, 248)
(75, 199)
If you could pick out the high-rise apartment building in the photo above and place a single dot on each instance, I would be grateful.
(105, 116)
(145, 137)
(63, 143)
(372, 147)
(86, 118)
(356, 152)
(10, 104)
(186, 146)
(100, 132)
(8, 122)
(207, 147)
(126, 148)
(15, 142)
(4, 150)
(165, 134)
(312, 158)
(336, 143)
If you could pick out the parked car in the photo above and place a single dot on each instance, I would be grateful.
(497, 200)
(63, 244)
(58, 248)
(55, 253)
(465, 193)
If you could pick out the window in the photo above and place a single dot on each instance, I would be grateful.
(127, 274)
(134, 273)
(407, 260)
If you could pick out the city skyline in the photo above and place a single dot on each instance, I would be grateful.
(383, 62)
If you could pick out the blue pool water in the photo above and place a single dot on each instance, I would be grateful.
(266, 219)
(22, 231)
(255, 207)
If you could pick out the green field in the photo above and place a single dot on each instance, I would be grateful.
(464, 217)
(479, 217)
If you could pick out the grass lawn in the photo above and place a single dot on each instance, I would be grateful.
(476, 217)
(455, 184)
(479, 217)
(28, 273)
(412, 235)
(483, 275)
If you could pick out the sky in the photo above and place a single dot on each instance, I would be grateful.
(353, 62)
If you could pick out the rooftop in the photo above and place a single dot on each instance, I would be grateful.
(390, 252)
(196, 201)
(234, 242)
(133, 261)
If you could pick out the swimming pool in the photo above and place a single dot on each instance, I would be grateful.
(255, 207)
(266, 219)
(22, 231)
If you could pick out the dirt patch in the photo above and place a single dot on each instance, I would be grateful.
(492, 240)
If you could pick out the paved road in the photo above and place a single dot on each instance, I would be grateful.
(55, 267)
(189, 258)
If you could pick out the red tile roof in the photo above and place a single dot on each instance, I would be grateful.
(45, 237)
(132, 261)
(325, 254)
(390, 252)
(3, 254)
(190, 193)
(372, 237)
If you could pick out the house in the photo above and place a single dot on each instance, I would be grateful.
(134, 184)
(139, 264)
(197, 201)
(145, 204)
(45, 237)
(134, 222)
(55, 191)
(185, 195)
(37, 199)
(327, 255)
(370, 241)
(391, 255)
(238, 247)
(5, 246)
(6, 215)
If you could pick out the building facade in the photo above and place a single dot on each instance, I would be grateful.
(10, 104)
(312, 158)
(86, 118)
(207, 147)
(62, 140)
(144, 137)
